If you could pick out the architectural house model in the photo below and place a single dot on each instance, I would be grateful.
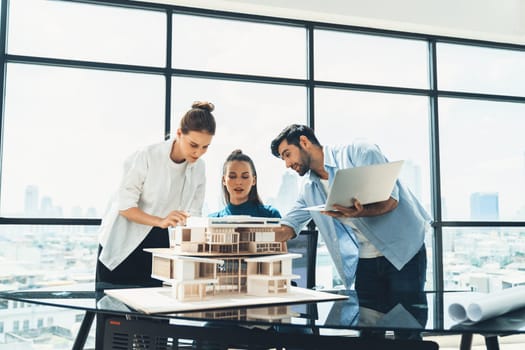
(217, 256)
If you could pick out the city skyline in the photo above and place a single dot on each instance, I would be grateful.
(37, 205)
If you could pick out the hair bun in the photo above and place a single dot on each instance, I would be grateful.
(203, 105)
(236, 151)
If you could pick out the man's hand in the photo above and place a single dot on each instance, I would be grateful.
(284, 233)
(346, 212)
(359, 210)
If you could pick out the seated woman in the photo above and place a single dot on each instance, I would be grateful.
(239, 185)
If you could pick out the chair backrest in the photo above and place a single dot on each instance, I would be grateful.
(306, 244)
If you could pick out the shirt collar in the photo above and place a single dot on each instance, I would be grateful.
(329, 164)
(329, 159)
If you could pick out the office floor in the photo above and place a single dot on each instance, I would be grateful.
(451, 342)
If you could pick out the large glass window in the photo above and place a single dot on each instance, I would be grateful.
(482, 70)
(37, 256)
(368, 59)
(245, 122)
(68, 30)
(482, 160)
(67, 132)
(222, 45)
(387, 120)
(484, 259)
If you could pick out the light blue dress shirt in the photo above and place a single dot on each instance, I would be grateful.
(398, 234)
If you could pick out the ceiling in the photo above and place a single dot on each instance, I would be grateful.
(492, 20)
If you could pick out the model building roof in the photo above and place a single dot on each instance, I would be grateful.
(233, 221)
(269, 258)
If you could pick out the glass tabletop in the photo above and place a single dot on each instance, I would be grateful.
(425, 312)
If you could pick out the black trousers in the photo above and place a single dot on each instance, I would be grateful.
(134, 271)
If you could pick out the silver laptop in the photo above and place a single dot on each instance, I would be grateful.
(368, 184)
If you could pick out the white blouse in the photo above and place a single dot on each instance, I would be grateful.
(151, 183)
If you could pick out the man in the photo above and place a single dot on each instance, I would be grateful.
(381, 245)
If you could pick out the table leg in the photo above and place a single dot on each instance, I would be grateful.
(492, 342)
(83, 332)
(466, 341)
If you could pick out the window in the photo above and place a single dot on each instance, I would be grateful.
(368, 59)
(44, 254)
(65, 30)
(383, 119)
(229, 46)
(484, 259)
(94, 119)
(482, 160)
(480, 70)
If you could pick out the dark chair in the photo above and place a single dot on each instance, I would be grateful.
(306, 244)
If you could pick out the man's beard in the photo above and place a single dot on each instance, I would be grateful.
(304, 166)
(301, 169)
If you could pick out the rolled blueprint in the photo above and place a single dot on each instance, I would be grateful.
(489, 305)
(458, 309)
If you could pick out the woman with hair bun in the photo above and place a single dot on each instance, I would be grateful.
(239, 186)
(161, 186)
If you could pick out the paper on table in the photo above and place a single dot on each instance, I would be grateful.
(485, 306)
(161, 299)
